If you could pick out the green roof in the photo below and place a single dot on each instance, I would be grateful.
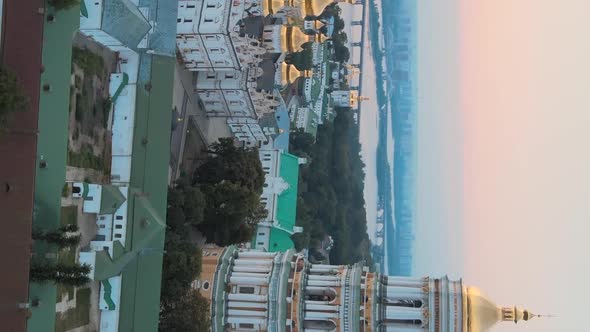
(280, 240)
(51, 147)
(287, 200)
(140, 289)
(122, 20)
(111, 199)
(145, 226)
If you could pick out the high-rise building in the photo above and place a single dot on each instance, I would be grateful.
(282, 291)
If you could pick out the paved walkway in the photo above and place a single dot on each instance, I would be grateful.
(187, 109)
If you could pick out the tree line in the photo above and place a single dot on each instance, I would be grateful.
(43, 270)
(330, 200)
(222, 201)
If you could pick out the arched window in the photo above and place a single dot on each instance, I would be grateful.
(320, 294)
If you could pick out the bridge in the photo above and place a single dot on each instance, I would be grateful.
(356, 44)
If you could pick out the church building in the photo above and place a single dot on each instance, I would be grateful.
(281, 291)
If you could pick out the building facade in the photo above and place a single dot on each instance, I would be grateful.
(127, 251)
(281, 291)
(346, 98)
(279, 198)
(210, 34)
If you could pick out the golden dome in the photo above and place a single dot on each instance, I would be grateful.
(292, 38)
(480, 313)
(313, 7)
(289, 74)
(271, 6)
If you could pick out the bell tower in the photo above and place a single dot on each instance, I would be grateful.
(253, 290)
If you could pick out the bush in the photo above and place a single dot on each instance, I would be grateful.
(65, 274)
(90, 63)
(85, 158)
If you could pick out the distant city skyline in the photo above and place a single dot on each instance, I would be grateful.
(503, 174)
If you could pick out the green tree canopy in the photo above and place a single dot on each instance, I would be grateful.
(67, 274)
(302, 60)
(189, 313)
(233, 164)
(229, 209)
(182, 265)
(327, 205)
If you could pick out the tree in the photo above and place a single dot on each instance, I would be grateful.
(331, 10)
(229, 209)
(12, 98)
(302, 60)
(341, 53)
(60, 236)
(73, 275)
(233, 164)
(189, 313)
(300, 140)
(194, 206)
(326, 204)
(181, 265)
(341, 38)
(63, 4)
(186, 205)
(338, 24)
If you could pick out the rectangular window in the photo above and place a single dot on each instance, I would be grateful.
(119, 226)
(215, 51)
(246, 325)
(260, 234)
(260, 243)
(246, 290)
(208, 20)
(228, 76)
(190, 6)
(117, 236)
(209, 37)
(211, 76)
(119, 217)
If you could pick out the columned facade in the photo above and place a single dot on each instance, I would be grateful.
(281, 291)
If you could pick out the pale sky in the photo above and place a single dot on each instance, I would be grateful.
(504, 164)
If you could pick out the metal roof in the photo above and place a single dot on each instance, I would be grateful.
(123, 20)
(287, 201)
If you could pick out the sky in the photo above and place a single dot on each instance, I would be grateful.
(504, 168)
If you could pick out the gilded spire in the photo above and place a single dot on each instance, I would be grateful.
(482, 313)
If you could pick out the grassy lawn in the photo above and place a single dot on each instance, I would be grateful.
(69, 216)
(75, 317)
(86, 159)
